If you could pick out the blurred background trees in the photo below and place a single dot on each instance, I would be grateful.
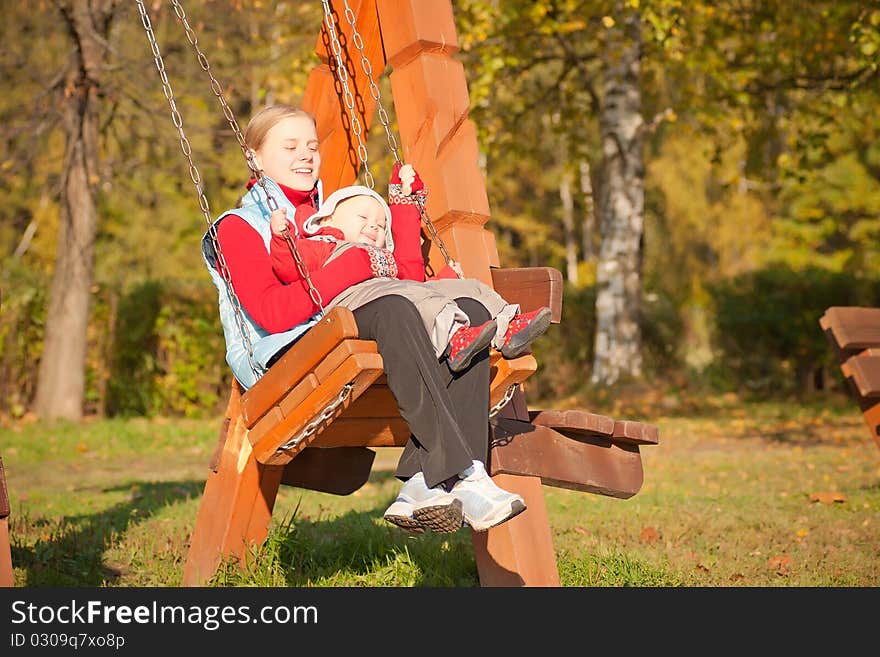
(752, 185)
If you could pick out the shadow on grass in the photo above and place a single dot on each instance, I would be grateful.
(69, 551)
(357, 548)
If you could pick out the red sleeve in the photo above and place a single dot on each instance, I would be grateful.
(406, 229)
(446, 272)
(272, 304)
(312, 253)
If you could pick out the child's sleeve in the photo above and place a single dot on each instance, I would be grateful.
(406, 227)
(283, 263)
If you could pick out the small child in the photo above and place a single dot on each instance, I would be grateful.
(358, 217)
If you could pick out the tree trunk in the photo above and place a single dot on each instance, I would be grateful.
(621, 207)
(61, 379)
(589, 222)
(567, 198)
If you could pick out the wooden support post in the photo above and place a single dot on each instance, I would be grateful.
(520, 551)
(237, 504)
(326, 100)
(432, 103)
(6, 572)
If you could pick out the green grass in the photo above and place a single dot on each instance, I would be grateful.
(726, 501)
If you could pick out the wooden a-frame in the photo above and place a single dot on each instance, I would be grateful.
(571, 449)
(6, 572)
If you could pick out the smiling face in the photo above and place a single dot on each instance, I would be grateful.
(289, 153)
(361, 219)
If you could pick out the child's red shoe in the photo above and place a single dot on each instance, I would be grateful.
(522, 331)
(467, 342)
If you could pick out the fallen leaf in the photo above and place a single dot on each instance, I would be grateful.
(700, 566)
(780, 563)
(827, 497)
(580, 530)
(736, 577)
(649, 535)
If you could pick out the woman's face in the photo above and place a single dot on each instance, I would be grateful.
(289, 153)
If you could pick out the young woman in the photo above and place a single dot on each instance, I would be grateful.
(442, 466)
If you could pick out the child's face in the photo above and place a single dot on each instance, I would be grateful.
(361, 219)
(289, 154)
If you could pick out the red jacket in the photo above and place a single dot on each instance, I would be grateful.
(405, 227)
(272, 304)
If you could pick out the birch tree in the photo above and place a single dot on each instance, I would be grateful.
(621, 204)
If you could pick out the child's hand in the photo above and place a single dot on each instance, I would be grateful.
(455, 265)
(409, 182)
(407, 177)
(278, 221)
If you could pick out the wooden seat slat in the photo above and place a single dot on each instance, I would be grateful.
(852, 328)
(285, 406)
(365, 432)
(359, 368)
(342, 351)
(578, 422)
(638, 433)
(376, 402)
(864, 369)
(507, 372)
(337, 325)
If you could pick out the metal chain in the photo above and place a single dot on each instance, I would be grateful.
(194, 174)
(508, 395)
(325, 415)
(347, 96)
(249, 155)
(367, 67)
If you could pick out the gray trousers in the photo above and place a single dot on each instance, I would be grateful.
(447, 412)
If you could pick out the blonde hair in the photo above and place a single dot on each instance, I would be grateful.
(266, 119)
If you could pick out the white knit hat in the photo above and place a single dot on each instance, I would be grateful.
(328, 207)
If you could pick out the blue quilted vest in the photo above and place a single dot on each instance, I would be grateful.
(255, 210)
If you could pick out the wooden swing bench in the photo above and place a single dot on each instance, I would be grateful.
(313, 420)
(854, 335)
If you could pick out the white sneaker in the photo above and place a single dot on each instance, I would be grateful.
(418, 508)
(485, 504)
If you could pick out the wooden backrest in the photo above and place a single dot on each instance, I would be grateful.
(854, 334)
(864, 370)
(851, 328)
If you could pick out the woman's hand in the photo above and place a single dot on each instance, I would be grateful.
(278, 221)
